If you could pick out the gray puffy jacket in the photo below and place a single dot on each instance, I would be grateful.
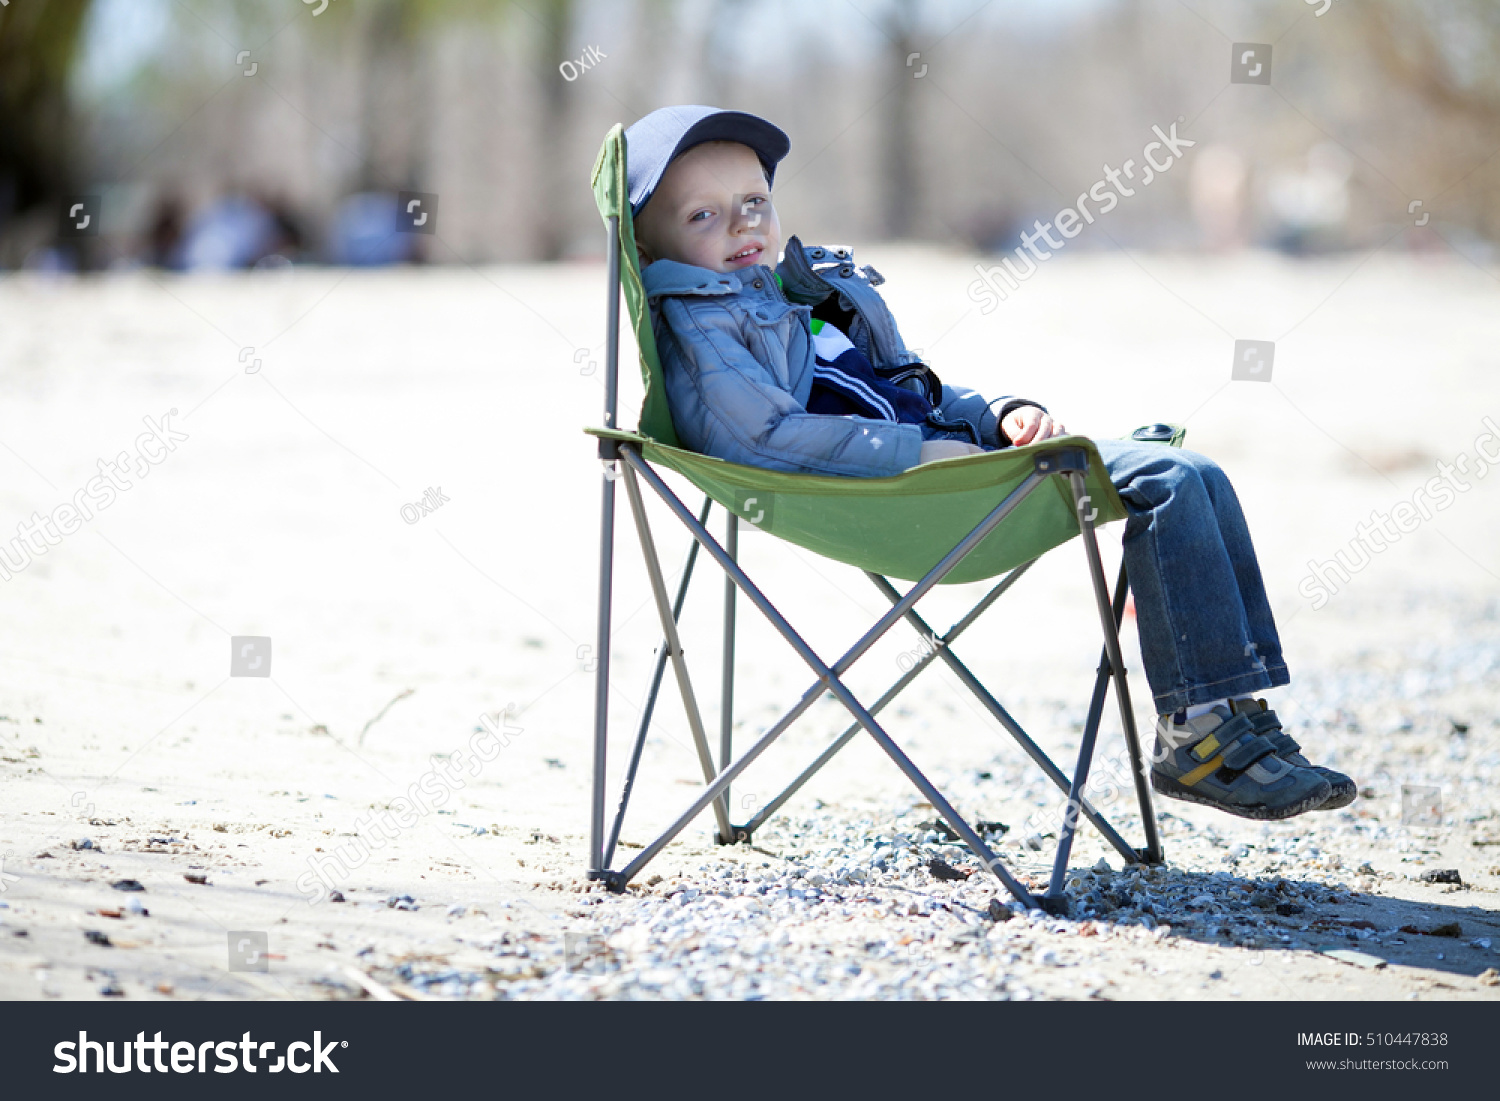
(738, 358)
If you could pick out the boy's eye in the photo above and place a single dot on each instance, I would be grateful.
(700, 215)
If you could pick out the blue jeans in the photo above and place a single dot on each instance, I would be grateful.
(1205, 624)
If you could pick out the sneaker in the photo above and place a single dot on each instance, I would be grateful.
(1265, 723)
(1220, 761)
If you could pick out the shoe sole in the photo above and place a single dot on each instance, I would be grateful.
(1166, 785)
(1342, 795)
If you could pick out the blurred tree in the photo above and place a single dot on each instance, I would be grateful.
(556, 45)
(902, 197)
(393, 99)
(719, 48)
(1448, 53)
(38, 45)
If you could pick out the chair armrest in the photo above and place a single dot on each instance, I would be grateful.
(1170, 434)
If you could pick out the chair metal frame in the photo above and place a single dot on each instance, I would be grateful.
(624, 462)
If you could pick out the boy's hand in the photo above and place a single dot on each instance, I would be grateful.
(1028, 424)
(933, 450)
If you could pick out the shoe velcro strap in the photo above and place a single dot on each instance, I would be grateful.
(1221, 736)
(1246, 750)
(1263, 721)
(1268, 725)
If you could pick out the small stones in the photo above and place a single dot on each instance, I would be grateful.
(85, 843)
(401, 902)
(841, 903)
(335, 896)
(128, 885)
(939, 828)
(1449, 929)
(1358, 959)
(1488, 977)
(95, 936)
(197, 877)
(1443, 875)
(944, 872)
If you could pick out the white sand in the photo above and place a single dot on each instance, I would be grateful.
(281, 516)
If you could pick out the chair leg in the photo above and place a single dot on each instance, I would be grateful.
(649, 707)
(674, 646)
(610, 453)
(597, 862)
(1055, 899)
(726, 676)
(1152, 853)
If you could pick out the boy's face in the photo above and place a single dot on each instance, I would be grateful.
(712, 209)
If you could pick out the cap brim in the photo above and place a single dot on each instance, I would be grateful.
(768, 141)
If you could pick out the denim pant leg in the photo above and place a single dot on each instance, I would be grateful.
(1205, 624)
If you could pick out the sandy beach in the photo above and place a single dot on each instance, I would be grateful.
(384, 474)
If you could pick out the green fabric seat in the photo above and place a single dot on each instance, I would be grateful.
(897, 527)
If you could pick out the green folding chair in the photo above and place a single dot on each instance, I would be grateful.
(961, 520)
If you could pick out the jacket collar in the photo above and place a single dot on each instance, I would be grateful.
(674, 277)
(805, 271)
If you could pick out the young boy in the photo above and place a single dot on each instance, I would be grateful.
(753, 378)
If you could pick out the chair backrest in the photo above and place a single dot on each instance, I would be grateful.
(613, 199)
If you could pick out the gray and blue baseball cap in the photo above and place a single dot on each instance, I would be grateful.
(655, 141)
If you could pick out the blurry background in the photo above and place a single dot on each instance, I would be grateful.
(230, 133)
